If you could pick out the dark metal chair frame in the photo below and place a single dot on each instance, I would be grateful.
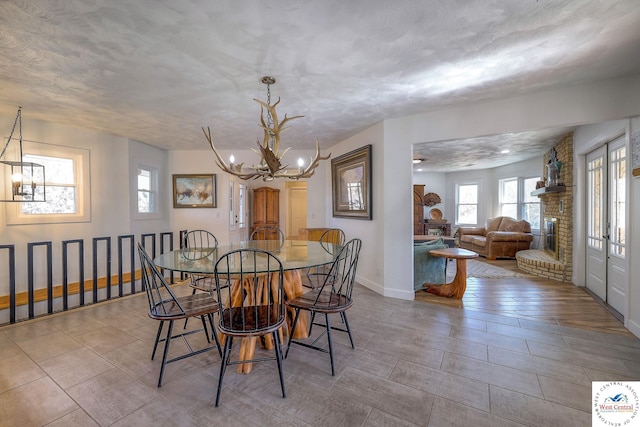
(334, 296)
(314, 277)
(165, 306)
(251, 304)
(202, 242)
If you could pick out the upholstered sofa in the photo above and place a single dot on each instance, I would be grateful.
(426, 268)
(501, 237)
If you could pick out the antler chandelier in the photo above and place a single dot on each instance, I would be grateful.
(270, 165)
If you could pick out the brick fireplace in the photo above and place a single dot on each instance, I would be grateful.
(550, 236)
(553, 259)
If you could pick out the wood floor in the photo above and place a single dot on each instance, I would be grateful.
(514, 352)
(534, 298)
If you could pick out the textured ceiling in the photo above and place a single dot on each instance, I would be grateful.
(158, 70)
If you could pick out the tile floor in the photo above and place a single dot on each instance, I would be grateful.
(414, 364)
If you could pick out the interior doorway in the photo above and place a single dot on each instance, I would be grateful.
(296, 200)
(607, 270)
(238, 212)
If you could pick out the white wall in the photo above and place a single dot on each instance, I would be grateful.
(372, 265)
(216, 219)
(143, 155)
(111, 186)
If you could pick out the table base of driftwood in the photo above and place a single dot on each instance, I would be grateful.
(292, 284)
(456, 288)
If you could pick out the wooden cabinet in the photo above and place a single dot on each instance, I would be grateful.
(266, 207)
(420, 224)
(443, 228)
(418, 209)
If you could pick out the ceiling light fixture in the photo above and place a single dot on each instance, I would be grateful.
(417, 160)
(21, 178)
(270, 165)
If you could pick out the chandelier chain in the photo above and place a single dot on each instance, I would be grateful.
(18, 117)
(269, 117)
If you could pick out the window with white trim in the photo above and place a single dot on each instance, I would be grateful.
(146, 190)
(517, 202)
(66, 171)
(466, 204)
(531, 204)
(509, 197)
(61, 186)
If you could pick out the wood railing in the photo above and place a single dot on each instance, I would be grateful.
(59, 297)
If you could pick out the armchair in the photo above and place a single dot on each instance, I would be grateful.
(502, 237)
(428, 269)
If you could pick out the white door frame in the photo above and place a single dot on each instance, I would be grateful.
(606, 248)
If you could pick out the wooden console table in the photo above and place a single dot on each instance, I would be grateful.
(456, 288)
(312, 234)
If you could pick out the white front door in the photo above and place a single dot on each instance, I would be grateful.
(617, 265)
(238, 215)
(607, 271)
(596, 265)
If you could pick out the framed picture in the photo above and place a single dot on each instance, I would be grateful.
(351, 182)
(194, 191)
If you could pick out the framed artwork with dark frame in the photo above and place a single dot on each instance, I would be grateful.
(194, 191)
(351, 183)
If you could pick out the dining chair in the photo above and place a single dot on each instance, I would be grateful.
(331, 239)
(334, 296)
(165, 306)
(267, 232)
(249, 287)
(198, 244)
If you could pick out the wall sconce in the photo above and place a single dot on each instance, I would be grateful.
(21, 178)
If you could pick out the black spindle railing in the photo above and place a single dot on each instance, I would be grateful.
(60, 296)
(12, 281)
(65, 271)
(132, 261)
(31, 278)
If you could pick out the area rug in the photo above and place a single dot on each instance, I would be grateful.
(481, 268)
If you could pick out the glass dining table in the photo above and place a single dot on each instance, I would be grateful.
(295, 256)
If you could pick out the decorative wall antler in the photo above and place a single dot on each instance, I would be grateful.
(270, 165)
